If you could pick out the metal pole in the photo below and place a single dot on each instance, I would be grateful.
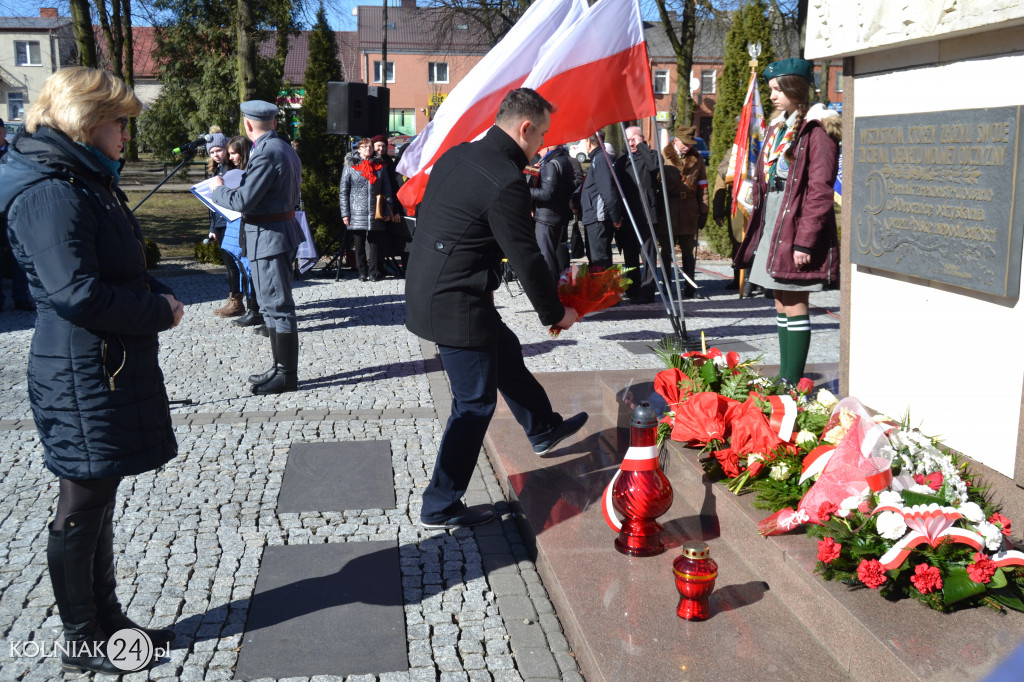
(188, 157)
(636, 230)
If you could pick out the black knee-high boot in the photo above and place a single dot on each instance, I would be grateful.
(70, 555)
(109, 613)
(285, 379)
(260, 378)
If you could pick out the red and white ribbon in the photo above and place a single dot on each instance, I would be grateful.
(815, 461)
(783, 415)
(636, 459)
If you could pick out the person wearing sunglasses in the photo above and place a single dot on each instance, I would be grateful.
(94, 380)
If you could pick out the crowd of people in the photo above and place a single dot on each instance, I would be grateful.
(95, 385)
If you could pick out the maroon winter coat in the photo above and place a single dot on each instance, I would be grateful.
(807, 219)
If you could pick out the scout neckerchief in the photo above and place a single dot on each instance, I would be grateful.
(777, 147)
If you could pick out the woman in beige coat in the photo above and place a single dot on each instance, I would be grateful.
(686, 182)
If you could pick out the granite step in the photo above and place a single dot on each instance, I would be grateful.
(769, 608)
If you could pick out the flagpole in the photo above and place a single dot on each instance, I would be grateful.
(679, 332)
(754, 51)
(677, 324)
(672, 243)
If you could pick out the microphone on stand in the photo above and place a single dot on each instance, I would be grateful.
(190, 146)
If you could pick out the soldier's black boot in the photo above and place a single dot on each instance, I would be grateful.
(285, 379)
(260, 378)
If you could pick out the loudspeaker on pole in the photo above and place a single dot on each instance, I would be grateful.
(348, 109)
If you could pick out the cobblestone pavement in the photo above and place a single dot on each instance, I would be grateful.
(190, 537)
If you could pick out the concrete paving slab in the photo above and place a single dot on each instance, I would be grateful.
(333, 609)
(337, 476)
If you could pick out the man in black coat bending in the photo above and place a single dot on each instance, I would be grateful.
(477, 207)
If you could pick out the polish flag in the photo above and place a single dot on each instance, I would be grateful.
(592, 66)
(745, 150)
(596, 72)
(468, 111)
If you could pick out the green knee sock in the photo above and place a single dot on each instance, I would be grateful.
(799, 328)
(783, 325)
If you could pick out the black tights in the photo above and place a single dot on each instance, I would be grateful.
(76, 496)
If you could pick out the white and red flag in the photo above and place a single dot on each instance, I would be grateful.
(595, 72)
(745, 150)
(590, 62)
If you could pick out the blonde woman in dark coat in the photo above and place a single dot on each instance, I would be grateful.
(95, 384)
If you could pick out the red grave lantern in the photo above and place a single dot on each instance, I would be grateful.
(695, 573)
(640, 490)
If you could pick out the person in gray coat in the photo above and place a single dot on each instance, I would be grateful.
(266, 198)
(365, 178)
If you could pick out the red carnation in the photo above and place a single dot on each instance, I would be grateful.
(828, 550)
(926, 578)
(729, 460)
(932, 480)
(804, 386)
(983, 568)
(871, 573)
(998, 519)
(827, 509)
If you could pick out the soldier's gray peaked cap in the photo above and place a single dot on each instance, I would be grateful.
(258, 110)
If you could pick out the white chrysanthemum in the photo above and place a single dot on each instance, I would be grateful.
(923, 489)
(992, 534)
(826, 398)
(972, 512)
(848, 505)
(890, 525)
(890, 497)
(806, 436)
(720, 361)
(779, 472)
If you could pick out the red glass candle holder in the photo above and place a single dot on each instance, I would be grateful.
(642, 495)
(695, 573)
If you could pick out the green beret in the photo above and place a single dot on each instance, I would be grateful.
(790, 67)
(258, 110)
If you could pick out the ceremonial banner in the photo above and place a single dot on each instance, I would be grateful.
(746, 148)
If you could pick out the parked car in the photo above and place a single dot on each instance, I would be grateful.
(577, 151)
(397, 140)
(702, 147)
(13, 129)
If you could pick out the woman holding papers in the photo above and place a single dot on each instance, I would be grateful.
(94, 381)
(238, 150)
(792, 246)
(367, 204)
(219, 164)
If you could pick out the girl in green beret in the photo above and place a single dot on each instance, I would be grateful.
(792, 246)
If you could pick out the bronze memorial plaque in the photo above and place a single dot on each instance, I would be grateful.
(939, 196)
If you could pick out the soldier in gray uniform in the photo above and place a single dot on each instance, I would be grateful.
(266, 198)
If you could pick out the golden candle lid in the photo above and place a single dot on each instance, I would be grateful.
(696, 549)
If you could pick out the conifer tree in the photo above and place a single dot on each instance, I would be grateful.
(750, 25)
(322, 154)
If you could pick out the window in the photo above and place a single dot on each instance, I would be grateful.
(376, 72)
(26, 53)
(660, 82)
(707, 82)
(839, 81)
(437, 72)
(15, 105)
(462, 27)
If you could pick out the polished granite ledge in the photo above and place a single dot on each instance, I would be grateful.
(771, 613)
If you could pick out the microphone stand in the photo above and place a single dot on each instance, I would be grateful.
(191, 154)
